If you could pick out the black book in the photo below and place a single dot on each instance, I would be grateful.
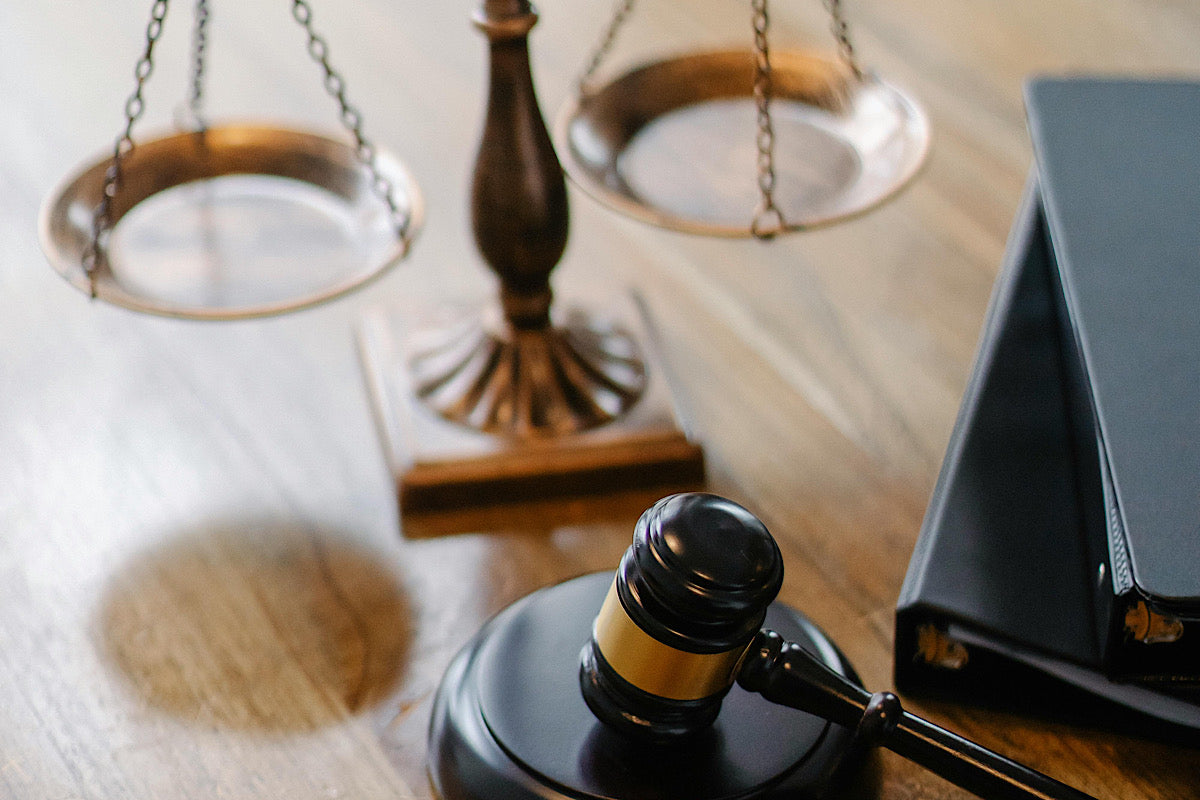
(1120, 174)
(1064, 531)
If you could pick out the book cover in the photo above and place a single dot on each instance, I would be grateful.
(1119, 170)
(998, 602)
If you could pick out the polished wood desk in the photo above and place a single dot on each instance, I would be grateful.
(205, 591)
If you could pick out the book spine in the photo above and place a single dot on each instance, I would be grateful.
(1146, 643)
(922, 649)
(1086, 455)
(1151, 649)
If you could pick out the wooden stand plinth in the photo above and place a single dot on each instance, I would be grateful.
(442, 466)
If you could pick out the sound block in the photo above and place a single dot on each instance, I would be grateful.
(509, 720)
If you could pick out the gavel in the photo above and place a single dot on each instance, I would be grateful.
(680, 624)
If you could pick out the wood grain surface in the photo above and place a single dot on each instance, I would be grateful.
(205, 587)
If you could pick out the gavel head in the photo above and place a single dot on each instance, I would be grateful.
(688, 597)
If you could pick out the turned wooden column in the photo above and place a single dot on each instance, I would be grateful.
(529, 377)
(519, 196)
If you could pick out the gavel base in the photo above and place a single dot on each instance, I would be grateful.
(509, 721)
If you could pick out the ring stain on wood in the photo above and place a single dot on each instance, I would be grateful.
(257, 626)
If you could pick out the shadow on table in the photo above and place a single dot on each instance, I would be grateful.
(544, 515)
(257, 626)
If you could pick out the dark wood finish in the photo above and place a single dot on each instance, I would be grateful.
(529, 377)
(698, 579)
(787, 673)
(519, 196)
(541, 741)
(575, 405)
(203, 592)
(443, 468)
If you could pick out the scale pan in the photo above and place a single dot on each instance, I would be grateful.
(673, 143)
(236, 221)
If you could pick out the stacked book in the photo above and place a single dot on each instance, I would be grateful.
(1061, 547)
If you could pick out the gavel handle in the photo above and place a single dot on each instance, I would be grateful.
(785, 673)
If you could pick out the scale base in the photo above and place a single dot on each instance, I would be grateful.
(509, 720)
(443, 466)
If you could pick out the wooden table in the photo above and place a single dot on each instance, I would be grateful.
(205, 588)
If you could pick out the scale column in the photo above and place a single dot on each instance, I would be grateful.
(525, 378)
(523, 400)
(519, 197)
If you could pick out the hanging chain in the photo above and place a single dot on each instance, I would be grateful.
(768, 219)
(622, 12)
(199, 46)
(352, 120)
(841, 32)
(94, 256)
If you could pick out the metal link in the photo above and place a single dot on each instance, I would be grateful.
(365, 151)
(768, 219)
(622, 12)
(94, 256)
(841, 32)
(199, 48)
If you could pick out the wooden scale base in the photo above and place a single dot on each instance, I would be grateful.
(510, 722)
(442, 467)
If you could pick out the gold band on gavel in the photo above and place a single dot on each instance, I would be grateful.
(657, 668)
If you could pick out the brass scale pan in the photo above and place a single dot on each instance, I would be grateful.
(669, 143)
(672, 143)
(246, 245)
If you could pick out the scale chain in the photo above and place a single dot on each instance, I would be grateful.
(351, 118)
(768, 219)
(93, 257)
(199, 47)
(841, 32)
(623, 9)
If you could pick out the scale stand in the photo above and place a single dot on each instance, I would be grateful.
(518, 403)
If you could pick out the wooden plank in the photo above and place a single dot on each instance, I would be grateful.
(204, 589)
